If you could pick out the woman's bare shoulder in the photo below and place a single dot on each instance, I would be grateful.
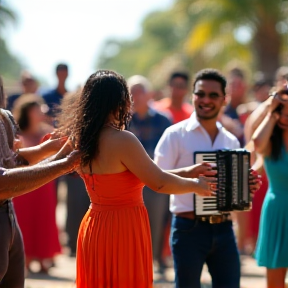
(119, 139)
(125, 138)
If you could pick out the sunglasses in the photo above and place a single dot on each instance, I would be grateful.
(212, 95)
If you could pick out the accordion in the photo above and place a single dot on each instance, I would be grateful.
(233, 192)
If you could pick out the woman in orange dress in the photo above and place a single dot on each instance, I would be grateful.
(114, 243)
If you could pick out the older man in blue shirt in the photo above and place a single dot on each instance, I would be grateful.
(148, 125)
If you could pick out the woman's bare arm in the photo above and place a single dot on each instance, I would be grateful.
(261, 136)
(255, 119)
(194, 171)
(44, 150)
(135, 158)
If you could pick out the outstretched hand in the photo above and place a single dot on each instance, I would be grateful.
(203, 168)
(74, 159)
(207, 186)
(275, 102)
(254, 182)
(66, 149)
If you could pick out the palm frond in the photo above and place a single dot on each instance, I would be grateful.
(6, 15)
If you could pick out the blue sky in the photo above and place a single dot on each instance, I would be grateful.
(72, 31)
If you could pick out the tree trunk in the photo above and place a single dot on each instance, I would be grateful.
(267, 45)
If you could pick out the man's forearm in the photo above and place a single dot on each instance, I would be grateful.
(18, 181)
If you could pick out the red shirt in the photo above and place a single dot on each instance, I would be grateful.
(177, 115)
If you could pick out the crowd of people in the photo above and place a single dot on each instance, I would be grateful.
(120, 232)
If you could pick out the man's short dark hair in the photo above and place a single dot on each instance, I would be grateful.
(61, 66)
(211, 74)
(179, 74)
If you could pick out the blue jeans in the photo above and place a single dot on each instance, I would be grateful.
(194, 243)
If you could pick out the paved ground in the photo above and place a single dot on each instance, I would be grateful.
(63, 275)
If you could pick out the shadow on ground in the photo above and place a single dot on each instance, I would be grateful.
(43, 276)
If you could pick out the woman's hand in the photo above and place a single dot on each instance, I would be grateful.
(282, 93)
(65, 150)
(207, 186)
(274, 103)
(53, 145)
(57, 134)
(254, 182)
(203, 168)
(279, 97)
(73, 160)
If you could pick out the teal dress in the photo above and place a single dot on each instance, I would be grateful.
(272, 243)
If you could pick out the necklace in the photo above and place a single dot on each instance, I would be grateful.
(112, 125)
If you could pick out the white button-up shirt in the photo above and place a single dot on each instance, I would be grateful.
(176, 148)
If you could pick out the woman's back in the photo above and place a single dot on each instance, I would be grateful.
(116, 189)
(108, 158)
(114, 235)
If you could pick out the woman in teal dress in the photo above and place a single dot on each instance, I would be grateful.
(271, 140)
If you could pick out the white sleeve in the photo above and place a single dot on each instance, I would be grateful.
(236, 144)
(166, 151)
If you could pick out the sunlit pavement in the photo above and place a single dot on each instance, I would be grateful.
(63, 275)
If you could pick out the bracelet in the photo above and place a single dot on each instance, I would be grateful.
(272, 115)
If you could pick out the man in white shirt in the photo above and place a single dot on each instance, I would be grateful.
(195, 242)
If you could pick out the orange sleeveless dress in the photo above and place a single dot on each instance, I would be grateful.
(114, 242)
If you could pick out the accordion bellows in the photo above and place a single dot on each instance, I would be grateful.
(233, 192)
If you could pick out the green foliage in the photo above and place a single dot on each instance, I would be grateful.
(160, 37)
(10, 66)
(6, 15)
(195, 34)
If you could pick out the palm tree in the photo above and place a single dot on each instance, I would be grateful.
(10, 66)
(214, 25)
(5, 15)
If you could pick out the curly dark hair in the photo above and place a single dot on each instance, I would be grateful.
(211, 74)
(105, 92)
(276, 139)
(276, 143)
(2, 95)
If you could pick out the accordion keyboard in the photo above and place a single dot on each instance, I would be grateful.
(205, 205)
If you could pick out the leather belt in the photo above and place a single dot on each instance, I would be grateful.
(213, 219)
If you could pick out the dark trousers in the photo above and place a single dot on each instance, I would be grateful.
(156, 205)
(12, 263)
(77, 205)
(194, 243)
